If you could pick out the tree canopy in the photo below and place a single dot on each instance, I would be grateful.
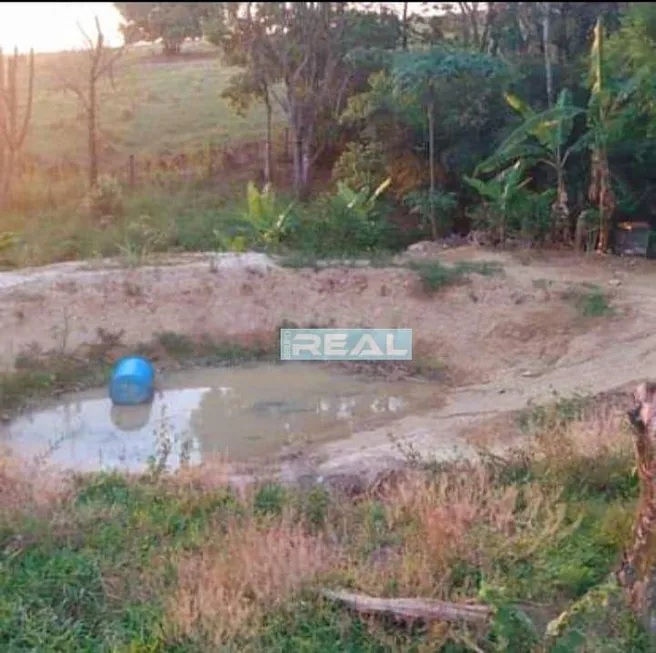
(172, 22)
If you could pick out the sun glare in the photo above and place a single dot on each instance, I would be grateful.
(53, 26)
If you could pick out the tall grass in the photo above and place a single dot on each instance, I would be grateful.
(181, 562)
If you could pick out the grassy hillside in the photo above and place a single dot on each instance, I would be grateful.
(159, 106)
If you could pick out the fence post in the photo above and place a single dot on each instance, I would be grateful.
(131, 172)
(210, 156)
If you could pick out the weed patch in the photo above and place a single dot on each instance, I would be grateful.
(36, 378)
(590, 302)
(435, 275)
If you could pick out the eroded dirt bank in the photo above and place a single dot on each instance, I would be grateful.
(507, 339)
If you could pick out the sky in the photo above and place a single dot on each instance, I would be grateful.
(51, 26)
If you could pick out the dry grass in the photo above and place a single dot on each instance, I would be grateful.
(30, 489)
(545, 526)
(224, 588)
(458, 519)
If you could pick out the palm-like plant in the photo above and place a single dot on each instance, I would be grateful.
(502, 192)
(542, 138)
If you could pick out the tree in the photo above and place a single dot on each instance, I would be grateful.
(242, 42)
(542, 139)
(96, 65)
(12, 132)
(298, 55)
(431, 77)
(600, 191)
(404, 44)
(546, 45)
(172, 22)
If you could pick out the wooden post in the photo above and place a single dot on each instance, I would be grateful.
(286, 155)
(131, 172)
(210, 152)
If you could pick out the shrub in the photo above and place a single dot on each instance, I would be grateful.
(344, 222)
(436, 209)
(105, 198)
(361, 165)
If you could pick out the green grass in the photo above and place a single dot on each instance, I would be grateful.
(560, 412)
(36, 379)
(591, 301)
(158, 107)
(116, 562)
(187, 219)
(435, 275)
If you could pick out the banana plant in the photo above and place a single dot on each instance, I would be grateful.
(541, 138)
(604, 125)
(361, 202)
(263, 215)
(502, 192)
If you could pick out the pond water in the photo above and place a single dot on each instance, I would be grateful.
(197, 414)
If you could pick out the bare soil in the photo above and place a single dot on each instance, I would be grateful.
(506, 339)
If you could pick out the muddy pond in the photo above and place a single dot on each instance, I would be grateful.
(240, 413)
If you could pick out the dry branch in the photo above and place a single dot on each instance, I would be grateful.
(412, 609)
(83, 83)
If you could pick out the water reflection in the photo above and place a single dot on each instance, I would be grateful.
(240, 412)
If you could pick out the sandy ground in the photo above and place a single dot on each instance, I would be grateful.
(507, 339)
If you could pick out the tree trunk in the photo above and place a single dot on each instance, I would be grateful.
(9, 163)
(268, 159)
(404, 43)
(546, 37)
(91, 116)
(306, 163)
(431, 157)
(601, 194)
(560, 226)
(297, 156)
(636, 574)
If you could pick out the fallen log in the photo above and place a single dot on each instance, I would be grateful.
(411, 609)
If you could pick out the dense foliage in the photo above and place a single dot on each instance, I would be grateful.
(553, 98)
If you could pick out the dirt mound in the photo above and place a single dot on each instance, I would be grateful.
(478, 328)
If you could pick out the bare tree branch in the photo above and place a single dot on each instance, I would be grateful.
(83, 83)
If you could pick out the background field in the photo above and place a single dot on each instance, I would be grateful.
(157, 107)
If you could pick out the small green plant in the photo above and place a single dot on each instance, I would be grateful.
(361, 165)
(105, 198)
(8, 240)
(142, 238)
(361, 203)
(512, 631)
(263, 215)
(270, 499)
(436, 276)
(236, 244)
(435, 209)
(562, 411)
(164, 440)
(502, 193)
(591, 302)
(345, 222)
